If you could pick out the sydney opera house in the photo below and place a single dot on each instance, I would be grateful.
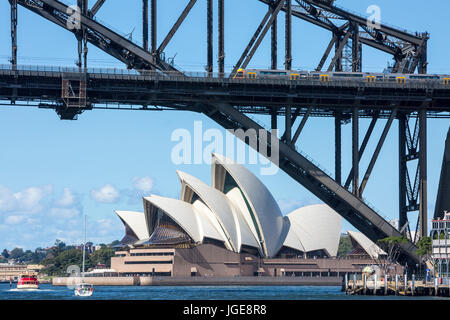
(233, 227)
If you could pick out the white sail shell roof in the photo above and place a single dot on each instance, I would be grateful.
(190, 219)
(267, 218)
(317, 227)
(368, 245)
(136, 222)
(224, 215)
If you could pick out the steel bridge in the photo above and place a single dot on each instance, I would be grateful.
(152, 83)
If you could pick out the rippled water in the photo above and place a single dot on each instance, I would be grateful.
(49, 292)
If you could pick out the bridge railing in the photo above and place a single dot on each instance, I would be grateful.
(143, 75)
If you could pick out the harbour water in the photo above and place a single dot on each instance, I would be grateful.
(49, 292)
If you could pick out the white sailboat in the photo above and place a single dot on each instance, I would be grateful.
(84, 289)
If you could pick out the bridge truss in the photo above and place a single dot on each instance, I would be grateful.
(71, 92)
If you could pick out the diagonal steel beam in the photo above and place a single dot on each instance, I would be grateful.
(363, 146)
(99, 35)
(383, 46)
(96, 7)
(327, 52)
(301, 125)
(264, 25)
(252, 41)
(400, 34)
(339, 51)
(377, 151)
(176, 25)
(263, 34)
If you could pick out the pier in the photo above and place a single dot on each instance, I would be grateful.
(397, 285)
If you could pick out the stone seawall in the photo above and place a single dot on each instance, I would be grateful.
(204, 281)
(98, 281)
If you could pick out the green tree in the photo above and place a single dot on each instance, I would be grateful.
(57, 266)
(424, 246)
(392, 248)
(345, 246)
(101, 256)
(16, 254)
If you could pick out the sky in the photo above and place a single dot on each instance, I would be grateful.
(53, 172)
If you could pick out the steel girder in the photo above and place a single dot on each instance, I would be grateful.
(408, 50)
(102, 37)
(413, 192)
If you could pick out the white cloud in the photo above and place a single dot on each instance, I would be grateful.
(26, 201)
(106, 194)
(14, 219)
(7, 199)
(67, 199)
(144, 184)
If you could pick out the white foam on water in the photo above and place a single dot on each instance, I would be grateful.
(30, 290)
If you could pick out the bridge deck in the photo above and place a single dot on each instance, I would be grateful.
(258, 96)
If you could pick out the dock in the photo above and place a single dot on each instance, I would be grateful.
(397, 285)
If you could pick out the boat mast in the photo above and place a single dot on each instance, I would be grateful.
(84, 248)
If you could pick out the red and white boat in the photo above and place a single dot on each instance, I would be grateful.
(27, 282)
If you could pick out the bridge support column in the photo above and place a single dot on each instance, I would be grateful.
(145, 25)
(13, 33)
(338, 65)
(209, 26)
(81, 36)
(423, 215)
(154, 38)
(288, 126)
(221, 38)
(288, 35)
(273, 119)
(274, 44)
(338, 147)
(403, 215)
(355, 151)
(355, 50)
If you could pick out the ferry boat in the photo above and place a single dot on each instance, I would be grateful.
(27, 282)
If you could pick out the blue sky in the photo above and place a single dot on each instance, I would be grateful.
(54, 171)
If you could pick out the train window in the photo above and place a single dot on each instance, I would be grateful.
(348, 75)
(424, 77)
(324, 77)
(273, 73)
(401, 80)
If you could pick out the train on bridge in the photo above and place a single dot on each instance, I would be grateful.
(399, 78)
